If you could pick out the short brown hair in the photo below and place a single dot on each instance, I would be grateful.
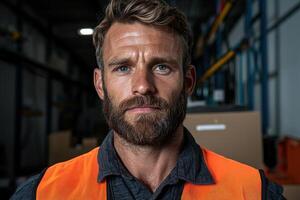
(153, 12)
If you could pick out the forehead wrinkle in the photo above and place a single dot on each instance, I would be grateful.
(139, 41)
(147, 50)
(129, 56)
(125, 39)
(137, 33)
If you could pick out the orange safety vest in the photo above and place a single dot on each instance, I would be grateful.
(77, 179)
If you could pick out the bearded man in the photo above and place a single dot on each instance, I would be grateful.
(143, 51)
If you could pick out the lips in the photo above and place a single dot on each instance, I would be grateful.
(144, 108)
(148, 103)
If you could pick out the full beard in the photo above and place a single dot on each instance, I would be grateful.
(147, 129)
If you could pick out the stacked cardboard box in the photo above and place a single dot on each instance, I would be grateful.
(236, 135)
(60, 148)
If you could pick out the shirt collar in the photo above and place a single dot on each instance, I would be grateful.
(190, 166)
(108, 160)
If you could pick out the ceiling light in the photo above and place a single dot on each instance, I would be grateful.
(85, 31)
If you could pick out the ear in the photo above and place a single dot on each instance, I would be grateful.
(98, 82)
(190, 79)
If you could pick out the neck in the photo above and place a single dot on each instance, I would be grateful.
(157, 162)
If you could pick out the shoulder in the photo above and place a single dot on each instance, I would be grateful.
(79, 160)
(27, 190)
(55, 174)
(233, 175)
(244, 174)
(218, 162)
(75, 172)
(72, 166)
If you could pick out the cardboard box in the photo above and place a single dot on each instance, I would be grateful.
(59, 145)
(87, 145)
(60, 148)
(291, 192)
(90, 142)
(236, 135)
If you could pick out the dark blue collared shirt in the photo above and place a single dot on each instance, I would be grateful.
(190, 167)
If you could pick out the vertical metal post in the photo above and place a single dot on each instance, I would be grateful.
(18, 105)
(218, 33)
(264, 66)
(49, 90)
(206, 62)
(240, 80)
(48, 117)
(219, 76)
(250, 71)
(277, 65)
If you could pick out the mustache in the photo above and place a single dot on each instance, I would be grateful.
(143, 101)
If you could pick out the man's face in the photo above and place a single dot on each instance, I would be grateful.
(143, 87)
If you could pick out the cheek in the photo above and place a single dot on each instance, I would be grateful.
(170, 87)
(118, 89)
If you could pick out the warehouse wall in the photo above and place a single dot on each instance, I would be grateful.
(7, 117)
(33, 134)
(282, 54)
(7, 104)
(290, 76)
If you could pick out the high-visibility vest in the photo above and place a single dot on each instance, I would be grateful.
(77, 179)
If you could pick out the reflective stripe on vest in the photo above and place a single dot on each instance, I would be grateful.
(77, 179)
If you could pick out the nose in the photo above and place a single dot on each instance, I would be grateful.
(143, 82)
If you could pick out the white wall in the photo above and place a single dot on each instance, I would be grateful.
(290, 75)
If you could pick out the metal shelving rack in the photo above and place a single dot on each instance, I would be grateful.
(22, 64)
(256, 57)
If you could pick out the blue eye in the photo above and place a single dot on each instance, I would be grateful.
(162, 69)
(122, 69)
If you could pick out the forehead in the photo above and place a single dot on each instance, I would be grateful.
(123, 37)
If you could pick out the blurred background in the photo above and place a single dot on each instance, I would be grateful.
(245, 104)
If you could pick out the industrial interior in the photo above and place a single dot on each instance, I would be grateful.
(245, 105)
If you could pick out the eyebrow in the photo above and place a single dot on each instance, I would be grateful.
(157, 60)
(118, 61)
(153, 61)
